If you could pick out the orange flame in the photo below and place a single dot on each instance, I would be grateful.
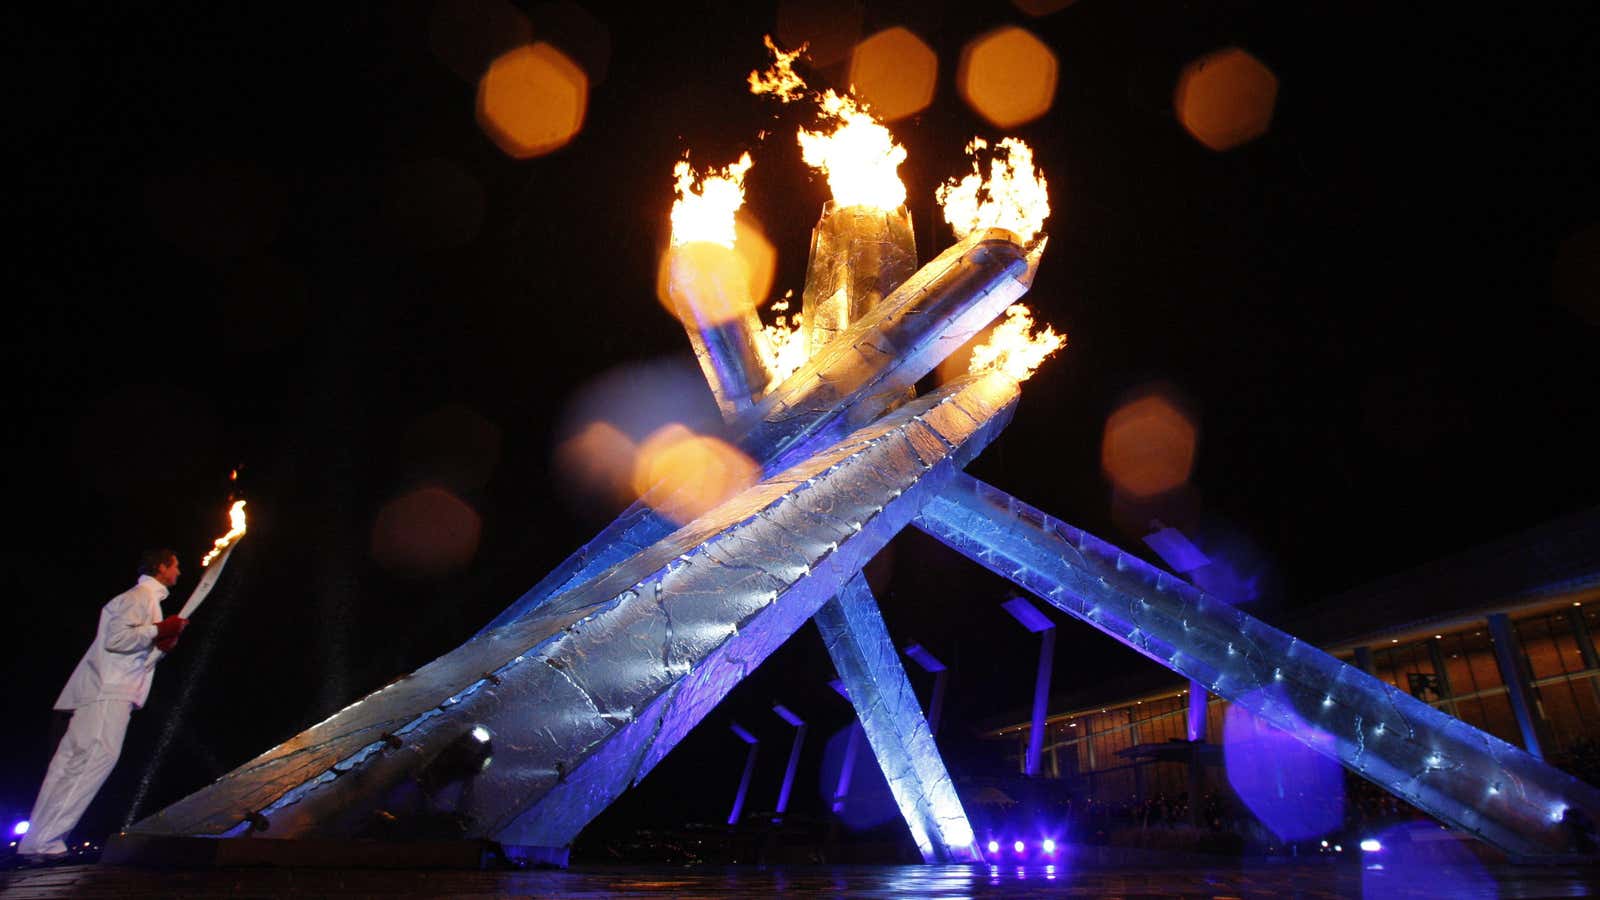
(1013, 348)
(1014, 197)
(785, 343)
(859, 156)
(236, 519)
(781, 80)
(706, 214)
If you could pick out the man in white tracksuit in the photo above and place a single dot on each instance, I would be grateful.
(110, 682)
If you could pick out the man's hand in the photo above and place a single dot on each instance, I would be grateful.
(169, 628)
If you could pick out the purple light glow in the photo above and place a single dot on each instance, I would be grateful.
(1417, 853)
(1295, 791)
(994, 846)
(1049, 845)
(1019, 846)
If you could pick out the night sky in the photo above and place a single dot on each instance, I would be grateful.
(280, 242)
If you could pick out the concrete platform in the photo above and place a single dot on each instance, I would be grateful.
(1322, 879)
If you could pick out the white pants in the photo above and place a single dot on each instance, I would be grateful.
(83, 759)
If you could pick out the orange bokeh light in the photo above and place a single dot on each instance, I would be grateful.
(894, 73)
(1576, 274)
(683, 474)
(1226, 98)
(1008, 76)
(1149, 447)
(599, 459)
(718, 277)
(828, 28)
(428, 531)
(1037, 8)
(532, 100)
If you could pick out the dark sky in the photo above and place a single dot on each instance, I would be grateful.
(279, 240)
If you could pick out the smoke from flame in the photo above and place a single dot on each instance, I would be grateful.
(236, 519)
(1013, 348)
(859, 155)
(1014, 197)
(706, 214)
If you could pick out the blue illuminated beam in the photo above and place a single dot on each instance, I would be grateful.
(886, 705)
(1443, 766)
(749, 771)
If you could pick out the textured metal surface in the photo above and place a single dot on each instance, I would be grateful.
(852, 383)
(1452, 771)
(870, 365)
(887, 707)
(859, 255)
(586, 695)
(710, 290)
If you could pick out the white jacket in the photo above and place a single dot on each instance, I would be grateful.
(118, 665)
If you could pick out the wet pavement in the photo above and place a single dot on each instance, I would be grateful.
(1276, 879)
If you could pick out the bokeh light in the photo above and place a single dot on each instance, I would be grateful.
(868, 804)
(829, 28)
(599, 459)
(265, 303)
(608, 418)
(432, 204)
(532, 100)
(1576, 274)
(1226, 98)
(1294, 790)
(895, 73)
(687, 474)
(721, 286)
(221, 210)
(425, 532)
(582, 37)
(1008, 76)
(106, 458)
(466, 35)
(1149, 446)
(1037, 8)
(452, 445)
(1420, 858)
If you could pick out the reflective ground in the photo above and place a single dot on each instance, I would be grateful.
(1309, 880)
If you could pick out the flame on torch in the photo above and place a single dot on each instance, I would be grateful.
(859, 155)
(785, 342)
(236, 519)
(1014, 196)
(706, 214)
(708, 282)
(1013, 348)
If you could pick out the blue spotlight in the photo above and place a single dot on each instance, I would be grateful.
(20, 828)
(994, 846)
(1049, 845)
(1019, 846)
(1371, 845)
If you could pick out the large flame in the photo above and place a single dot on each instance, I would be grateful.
(1013, 348)
(859, 155)
(706, 214)
(236, 520)
(1014, 197)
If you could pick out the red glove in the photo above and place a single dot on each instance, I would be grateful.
(169, 628)
(166, 645)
